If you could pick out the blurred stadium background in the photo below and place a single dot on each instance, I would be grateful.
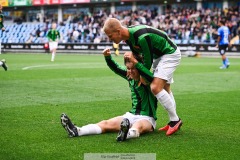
(192, 24)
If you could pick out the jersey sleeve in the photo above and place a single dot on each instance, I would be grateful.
(144, 72)
(146, 52)
(59, 35)
(116, 68)
(48, 35)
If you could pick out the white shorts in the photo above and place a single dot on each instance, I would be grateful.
(163, 67)
(53, 45)
(134, 118)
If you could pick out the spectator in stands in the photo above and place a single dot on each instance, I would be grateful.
(53, 38)
(75, 36)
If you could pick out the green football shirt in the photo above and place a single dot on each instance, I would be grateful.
(53, 35)
(150, 42)
(143, 101)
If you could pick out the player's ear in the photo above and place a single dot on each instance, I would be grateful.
(118, 31)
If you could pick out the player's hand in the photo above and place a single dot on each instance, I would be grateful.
(216, 46)
(3, 29)
(129, 56)
(106, 52)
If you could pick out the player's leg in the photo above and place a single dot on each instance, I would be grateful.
(140, 127)
(53, 54)
(225, 61)
(157, 87)
(110, 125)
(168, 89)
(3, 64)
(163, 76)
(54, 49)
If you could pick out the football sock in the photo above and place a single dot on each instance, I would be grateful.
(223, 62)
(89, 129)
(226, 62)
(173, 100)
(53, 56)
(166, 101)
(133, 133)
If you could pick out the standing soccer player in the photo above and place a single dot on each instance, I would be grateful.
(159, 52)
(223, 42)
(53, 38)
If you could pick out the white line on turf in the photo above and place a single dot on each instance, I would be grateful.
(80, 65)
(38, 66)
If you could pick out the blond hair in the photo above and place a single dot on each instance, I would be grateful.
(111, 24)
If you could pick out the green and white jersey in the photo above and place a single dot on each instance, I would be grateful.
(53, 35)
(1, 20)
(150, 42)
(143, 101)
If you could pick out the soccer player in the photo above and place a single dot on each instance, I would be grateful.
(223, 42)
(140, 119)
(160, 52)
(53, 37)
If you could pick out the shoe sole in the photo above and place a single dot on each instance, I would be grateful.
(164, 128)
(178, 128)
(64, 121)
(123, 131)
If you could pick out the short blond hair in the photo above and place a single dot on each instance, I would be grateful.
(112, 24)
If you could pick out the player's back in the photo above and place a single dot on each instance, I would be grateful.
(223, 32)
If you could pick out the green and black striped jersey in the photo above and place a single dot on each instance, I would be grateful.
(53, 35)
(150, 42)
(1, 20)
(143, 101)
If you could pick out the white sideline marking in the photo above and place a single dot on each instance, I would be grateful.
(80, 65)
(29, 67)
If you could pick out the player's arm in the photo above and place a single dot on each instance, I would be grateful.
(114, 66)
(147, 60)
(143, 71)
(219, 37)
(49, 36)
(59, 35)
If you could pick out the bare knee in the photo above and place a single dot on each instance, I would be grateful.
(157, 85)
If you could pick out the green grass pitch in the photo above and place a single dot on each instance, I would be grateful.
(35, 91)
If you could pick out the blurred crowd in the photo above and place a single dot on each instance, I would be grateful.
(182, 25)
